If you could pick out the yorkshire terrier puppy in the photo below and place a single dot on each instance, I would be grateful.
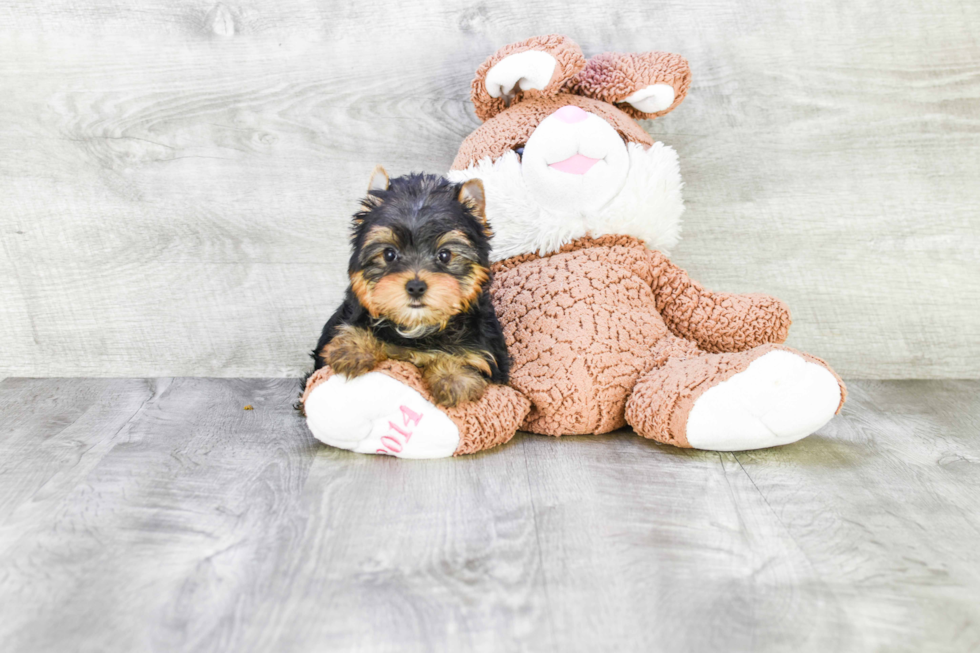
(419, 288)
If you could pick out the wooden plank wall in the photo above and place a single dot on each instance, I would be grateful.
(175, 177)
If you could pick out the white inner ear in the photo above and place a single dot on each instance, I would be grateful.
(652, 99)
(379, 179)
(531, 69)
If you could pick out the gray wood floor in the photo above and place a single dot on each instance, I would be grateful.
(140, 515)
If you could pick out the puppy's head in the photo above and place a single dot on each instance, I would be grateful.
(421, 250)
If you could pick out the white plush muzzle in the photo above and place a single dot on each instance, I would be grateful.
(539, 203)
(574, 160)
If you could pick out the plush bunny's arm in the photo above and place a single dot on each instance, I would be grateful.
(717, 322)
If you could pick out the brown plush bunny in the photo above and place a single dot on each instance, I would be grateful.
(603, 329)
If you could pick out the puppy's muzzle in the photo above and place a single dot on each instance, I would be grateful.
(416, 288)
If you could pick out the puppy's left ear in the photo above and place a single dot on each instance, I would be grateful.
(379, 179)
(377, 183)
(472, 195)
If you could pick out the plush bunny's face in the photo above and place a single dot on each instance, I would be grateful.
(566, 158)
(574, 159)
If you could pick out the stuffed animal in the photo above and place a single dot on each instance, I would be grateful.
(603, 330)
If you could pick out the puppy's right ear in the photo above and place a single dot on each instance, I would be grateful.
(378, 182)
(379, 179)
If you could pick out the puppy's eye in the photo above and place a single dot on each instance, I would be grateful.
(445, 256)
(520, 151)
(389, 254)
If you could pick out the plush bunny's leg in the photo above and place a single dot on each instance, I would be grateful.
(763, 397)
(374, 413)
(389, 411)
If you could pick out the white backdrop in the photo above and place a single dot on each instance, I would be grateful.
(176, 177)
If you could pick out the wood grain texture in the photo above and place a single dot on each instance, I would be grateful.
(176, 178)
(158, 515)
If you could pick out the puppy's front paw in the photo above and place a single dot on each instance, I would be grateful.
(452, 388)
(353, 352)
(350, 364)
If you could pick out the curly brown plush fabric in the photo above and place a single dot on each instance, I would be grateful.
(662, 400)
(510, 129)
(567, 53)
(585, 323)
(483, 424)
(609, 240)
(613, 76)
(489, 422)
(715, 321)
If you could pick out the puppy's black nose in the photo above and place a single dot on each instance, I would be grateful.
(416, 288)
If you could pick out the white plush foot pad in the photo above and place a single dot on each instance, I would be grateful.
(374, 413)
(779, 398)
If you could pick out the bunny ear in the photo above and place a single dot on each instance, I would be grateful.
(644, 85)
(538, 66)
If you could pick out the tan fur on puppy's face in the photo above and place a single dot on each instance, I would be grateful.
(471, 282)
(388, 298)
(362, 290)
(379, 236)
(446, 296)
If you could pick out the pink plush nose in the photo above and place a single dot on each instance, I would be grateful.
(571, 114)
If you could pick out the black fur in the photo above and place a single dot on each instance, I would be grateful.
(420, 209)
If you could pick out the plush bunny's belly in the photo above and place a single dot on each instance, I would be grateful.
(581, 327)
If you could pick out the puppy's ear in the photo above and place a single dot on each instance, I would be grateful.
(378, 182)
(379, 179)
(471, 194)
